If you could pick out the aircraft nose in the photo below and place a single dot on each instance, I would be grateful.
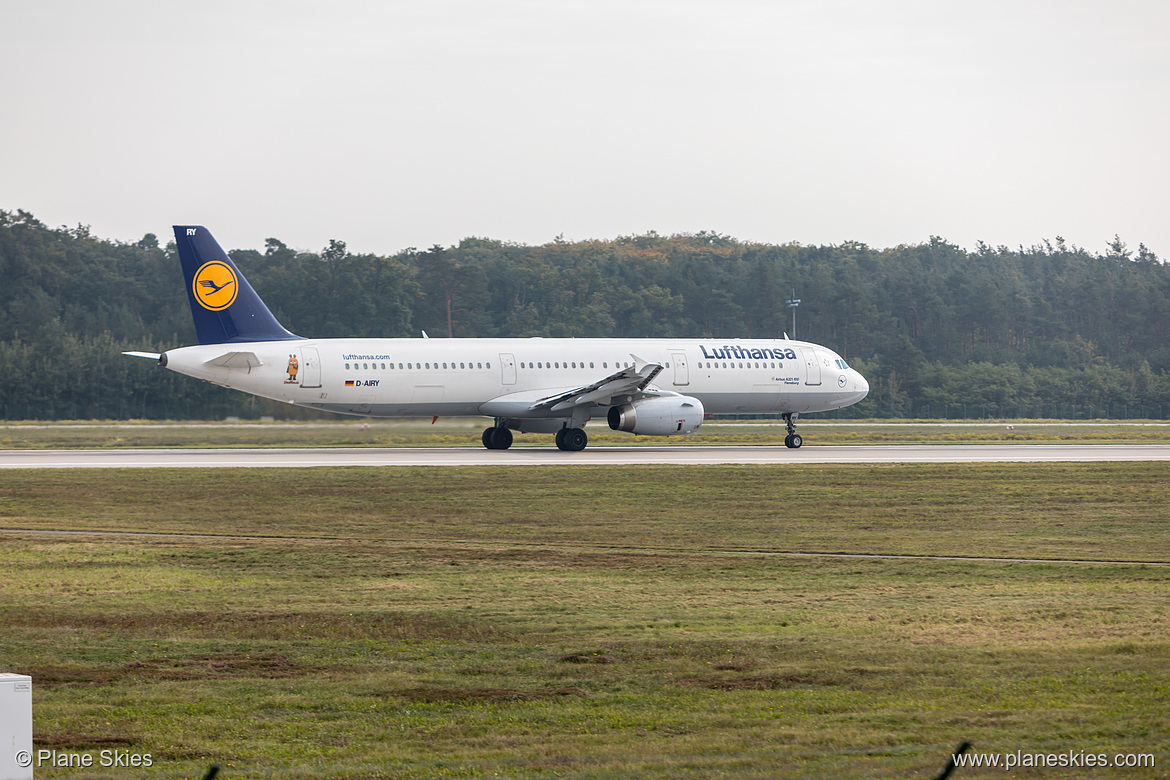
(862, 387)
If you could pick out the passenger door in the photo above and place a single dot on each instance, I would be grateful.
(812, 365)
(682, 374)
(310, 367)
(508, 367)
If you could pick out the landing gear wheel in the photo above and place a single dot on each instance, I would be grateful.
(792, 441)
(497, 438)
(572, 439)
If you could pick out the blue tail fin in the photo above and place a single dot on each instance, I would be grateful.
(224, 305)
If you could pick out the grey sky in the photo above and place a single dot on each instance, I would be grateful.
(396, 124)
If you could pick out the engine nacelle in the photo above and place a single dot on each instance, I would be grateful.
(664, 416)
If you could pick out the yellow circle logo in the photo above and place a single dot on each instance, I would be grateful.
(215, 285)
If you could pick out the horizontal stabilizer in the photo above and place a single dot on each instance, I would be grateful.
(151, 355)
(244, 360)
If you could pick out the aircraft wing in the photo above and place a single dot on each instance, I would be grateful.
(627, 381)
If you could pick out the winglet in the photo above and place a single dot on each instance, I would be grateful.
(225, 307)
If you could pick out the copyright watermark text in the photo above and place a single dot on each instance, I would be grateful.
(1069, 759)
(106, 759)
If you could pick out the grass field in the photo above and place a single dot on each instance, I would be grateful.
(590, 622)
(343, 432)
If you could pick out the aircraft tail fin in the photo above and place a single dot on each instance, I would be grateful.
(225, 307)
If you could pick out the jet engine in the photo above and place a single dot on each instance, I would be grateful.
(661, 416)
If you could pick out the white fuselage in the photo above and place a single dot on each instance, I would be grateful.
(503, 377)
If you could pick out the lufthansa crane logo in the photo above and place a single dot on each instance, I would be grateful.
(215, 285)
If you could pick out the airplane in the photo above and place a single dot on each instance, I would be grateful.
(649, 387)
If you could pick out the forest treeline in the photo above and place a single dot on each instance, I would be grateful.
(1050, 330)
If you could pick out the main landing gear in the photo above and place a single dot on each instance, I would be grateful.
(568, 439)
(792, 441)
(572, 439)
(497, 438)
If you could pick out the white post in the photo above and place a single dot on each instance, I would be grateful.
(16, 744)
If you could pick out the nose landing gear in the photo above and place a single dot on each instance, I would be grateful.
(792, 441)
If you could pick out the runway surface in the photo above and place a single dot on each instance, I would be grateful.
(594, 456)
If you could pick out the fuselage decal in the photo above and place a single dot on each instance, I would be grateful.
(742, 353)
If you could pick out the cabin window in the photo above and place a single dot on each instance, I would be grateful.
(479, 365)
(604, 364)
(488, 365)
(347, 366)
(591, 364)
